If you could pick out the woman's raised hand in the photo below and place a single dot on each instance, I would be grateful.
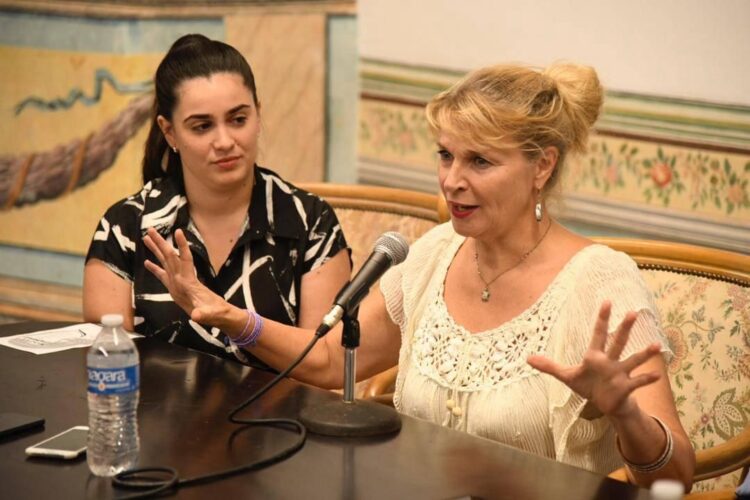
(177, 274)
(601, 377)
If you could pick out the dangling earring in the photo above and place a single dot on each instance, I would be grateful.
(174, 148)
(538, 211)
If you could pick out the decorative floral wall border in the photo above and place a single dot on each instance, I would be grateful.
(670, 157)
(395, 133)
(690, 179)
(664, 176)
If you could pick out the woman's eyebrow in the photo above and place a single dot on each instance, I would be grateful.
(200, 116)
(238, 108)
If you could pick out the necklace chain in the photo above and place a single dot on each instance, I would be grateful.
(486, 291)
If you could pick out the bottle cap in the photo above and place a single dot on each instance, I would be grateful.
(112, 320)
(667, 489)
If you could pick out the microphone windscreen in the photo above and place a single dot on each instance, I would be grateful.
(393, 245)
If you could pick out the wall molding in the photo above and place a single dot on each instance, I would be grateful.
(147, 9)
(656, 223)
(397, 176)
(666, 167)
(647, 221)
(27, 300)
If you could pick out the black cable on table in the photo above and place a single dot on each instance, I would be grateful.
(166, 480)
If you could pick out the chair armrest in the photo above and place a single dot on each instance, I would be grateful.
(619, 474)
(383, 399)
(722, 494)
(718, 460)
(382, 383)
(726, 457)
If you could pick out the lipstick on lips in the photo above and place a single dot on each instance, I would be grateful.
(461, 211)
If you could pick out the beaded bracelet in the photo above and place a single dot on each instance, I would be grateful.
(660, 462)
(252, 338)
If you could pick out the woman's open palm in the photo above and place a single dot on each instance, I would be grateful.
(601, 377)
(177, 274)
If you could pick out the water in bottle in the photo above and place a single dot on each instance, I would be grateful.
(113, 400)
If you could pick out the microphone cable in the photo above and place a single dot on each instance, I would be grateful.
(159, 480)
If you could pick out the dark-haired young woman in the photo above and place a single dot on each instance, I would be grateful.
(256, 240)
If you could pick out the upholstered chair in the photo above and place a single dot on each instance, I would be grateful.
(703, 296)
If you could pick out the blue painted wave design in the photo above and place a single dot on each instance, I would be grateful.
(77, 95)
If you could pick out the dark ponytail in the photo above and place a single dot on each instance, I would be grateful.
(191, 56)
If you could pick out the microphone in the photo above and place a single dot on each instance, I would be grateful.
(349, 417)
(389, 250)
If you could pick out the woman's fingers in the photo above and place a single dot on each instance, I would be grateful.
(546, 365)
(169, 257)
(599, 337)
(620, 338)
(184, 247)
(641, 380)
(637, 359)
(151, 245)
(601, 376)
(622, 334)
(165, 252)
(157, 271)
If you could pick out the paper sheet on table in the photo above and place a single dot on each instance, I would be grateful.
(58, 339)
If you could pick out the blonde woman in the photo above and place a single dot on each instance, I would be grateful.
(486, 307)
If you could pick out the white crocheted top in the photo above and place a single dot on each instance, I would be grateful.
(485, 374)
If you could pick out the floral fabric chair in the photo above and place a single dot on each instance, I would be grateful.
(703, 296)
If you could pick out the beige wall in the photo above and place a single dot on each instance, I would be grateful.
(288, 55)
(679, 48)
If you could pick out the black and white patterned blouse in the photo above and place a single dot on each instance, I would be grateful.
(289, 232)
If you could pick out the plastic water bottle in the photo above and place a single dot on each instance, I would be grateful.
(113, 389)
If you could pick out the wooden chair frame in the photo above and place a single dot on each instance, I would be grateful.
(381, 199)
(686, 259)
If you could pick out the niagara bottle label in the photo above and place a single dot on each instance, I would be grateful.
(113, 380)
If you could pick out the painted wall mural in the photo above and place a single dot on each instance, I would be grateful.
(71, 132)
(669, 168)
(29, 178)
(74, 113)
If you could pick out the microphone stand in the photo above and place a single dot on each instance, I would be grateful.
(349, 417)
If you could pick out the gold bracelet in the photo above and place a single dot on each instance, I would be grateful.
(660, 462)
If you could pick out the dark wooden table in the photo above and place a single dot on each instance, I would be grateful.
(185, 398)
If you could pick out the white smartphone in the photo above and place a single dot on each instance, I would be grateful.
(68, 444)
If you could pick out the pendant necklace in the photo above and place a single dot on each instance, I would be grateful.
(486, 292)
